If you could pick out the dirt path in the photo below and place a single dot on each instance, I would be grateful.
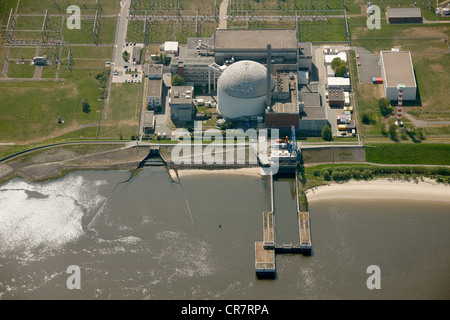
(423, 123)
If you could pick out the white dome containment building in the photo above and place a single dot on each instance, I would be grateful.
(242, 90)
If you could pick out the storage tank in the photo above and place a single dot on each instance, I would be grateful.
(242, 90)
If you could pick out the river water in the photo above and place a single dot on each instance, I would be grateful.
(155, 239)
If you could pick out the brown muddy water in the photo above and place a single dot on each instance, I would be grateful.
(155, 239)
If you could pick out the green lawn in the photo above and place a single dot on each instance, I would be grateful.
(433, 77)
(124, 104)
(331, 30)
(20, 70)
(30, 23)
(18, 53)
(30, 109)
(49, 71)
(291, 5)
(85, 34)
(34, 6)
(409, 153)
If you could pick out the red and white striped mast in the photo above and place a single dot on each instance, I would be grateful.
(400, 88)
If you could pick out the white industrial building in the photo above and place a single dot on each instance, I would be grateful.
(170, 47)
(338, 83)
(329, 57)
(396, 68)
(242, 90)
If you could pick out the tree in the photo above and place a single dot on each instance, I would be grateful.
(125, 56)
(326, 133)
(385, 107)
(335, 62)
(367, 117)
(393, 131)
(339, 67)
(85, 105)
(419, 133)
(177, 80)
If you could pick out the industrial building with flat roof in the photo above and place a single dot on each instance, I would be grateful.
(396, 68)
(252, 45)
(338, 83)
(149, 121)
(154, 93)
(153, 71)
(404, 15)
(192, 69)
(137, 54)
(180, 102)
(305, 55)
(284, 111)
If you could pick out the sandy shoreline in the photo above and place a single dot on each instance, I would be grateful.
(253, 171)
(426, 190)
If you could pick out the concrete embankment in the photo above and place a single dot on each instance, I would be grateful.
(55, 162)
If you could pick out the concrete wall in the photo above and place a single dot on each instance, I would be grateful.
(232, 107)
(181, 112)
(312, 126)
(408, 94)
(282, 120)
(336, 154)
(222, 55)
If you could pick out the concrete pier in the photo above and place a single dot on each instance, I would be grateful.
(264, 261)
(305, 234)
(265, 251)
(268, 230)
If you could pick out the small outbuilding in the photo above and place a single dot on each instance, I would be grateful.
(404, 15)
(149, 121)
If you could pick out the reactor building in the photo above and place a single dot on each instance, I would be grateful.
(242, 90)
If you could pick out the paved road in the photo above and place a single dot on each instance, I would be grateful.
(223, 14)
(121, 33)
(424, 123)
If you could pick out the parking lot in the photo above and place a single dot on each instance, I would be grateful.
(368, 65)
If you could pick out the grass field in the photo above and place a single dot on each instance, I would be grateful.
(24, 52)
(20, 70)
(409, 35)
(431, 62)
(30, 109)
(290, 6)
(59, 6)
(409, 153)
(161, 31)
(85, 34)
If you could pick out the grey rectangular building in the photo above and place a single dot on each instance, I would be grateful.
(153, 71)
(404, 15)
(154, 93)
(192, 69)
(149, 121)
(252, 45)
(137, 55)
(180, 102)
(397, 68)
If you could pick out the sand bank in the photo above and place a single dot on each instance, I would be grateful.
(426, 190)
(253, 171)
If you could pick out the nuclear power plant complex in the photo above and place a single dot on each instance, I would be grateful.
(260, 78)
